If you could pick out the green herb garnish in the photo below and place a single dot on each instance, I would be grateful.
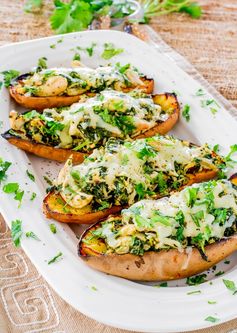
(212, 319)
(186, 112)
(31, 234)
(110, 51)
(212, 302)
(195, 280)
(200, 92)
(42, 64)
(16, 232)
(13, 188)
(30, 175)
(195, 292)
(8, 76)
(230, 285)
(33, 196)
(4, 166)
(53, 228)
(54, 259)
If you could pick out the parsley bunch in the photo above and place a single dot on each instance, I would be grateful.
(77, 15)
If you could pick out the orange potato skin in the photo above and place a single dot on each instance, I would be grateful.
(61, 155)
(56, 212)
(158, 266)
(40, 103)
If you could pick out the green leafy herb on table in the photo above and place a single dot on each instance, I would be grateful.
(195, 292)
(31, 234)
(110, 51)
(69, 17)
(228, 159)
(16, 232)
(186, 112)
(14, 188)
(4, 166)
(161, 7)
(55, 259)
(8, 76)
(33, 6)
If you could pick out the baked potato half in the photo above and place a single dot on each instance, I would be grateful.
(99, 194)
(167, 102)
(54, 87)
(199, 238)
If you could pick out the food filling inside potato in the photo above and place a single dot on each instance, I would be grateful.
(197, 216)
(88, 124)
(75, 81)
(124, 172)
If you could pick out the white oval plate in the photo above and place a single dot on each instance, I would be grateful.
(108, 299)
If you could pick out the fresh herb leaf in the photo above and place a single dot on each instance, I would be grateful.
(48, 181)
(227, 262)
(216, 148)
(8, 76)
(194, 280)
(212, 302)
(13, 188)
(42, 64)
(192, 196)
(90, 50)
(197, 217)
(73, 16)
(110, 51)
(33, 196)
(200, 92)
(53, 228)
(193, 9)
(54, 259)
(4, 166)
(77, 57)
(195, 292)
(104, 205)
(31, 234)
(233, 149)
(163, 285)
(16, 232)
(230, 285)
(186, 112)
(219, 273)
(33, 6)
(30, 175)
(212, 319)
(179, 217)
(94, 288)
(52, 46)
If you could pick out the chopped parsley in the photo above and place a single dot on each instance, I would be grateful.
(186, 112)
(219, 273)
(228, 158)
(53, 228)
(212, 104)
(195, 292)
(33, 196)
(55, 259)
(227, 262)
(212, 319)
(8, 76)
(94, 288)
(77, 56)
(31, 234)
(216, 148)
(4, 166)
(230, 285)
(16, 232)
(14, 188)
(195, 280)
(42, 64)
(200, 92)
(30, 175)
(212, 302)
(110, 51)
(161, 285)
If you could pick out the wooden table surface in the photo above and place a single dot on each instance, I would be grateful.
(209, 43)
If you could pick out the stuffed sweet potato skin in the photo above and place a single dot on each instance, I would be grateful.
(158, 266)
(167, 101)
(71, 215)
(40, 103)
(56, 154)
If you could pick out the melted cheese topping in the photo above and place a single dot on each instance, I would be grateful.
(120, 168)
(110, 111)
(156, 224)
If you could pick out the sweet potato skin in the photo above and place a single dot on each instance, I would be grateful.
(40, 103)
(61, 155)
(87, 217)
(158, 266)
